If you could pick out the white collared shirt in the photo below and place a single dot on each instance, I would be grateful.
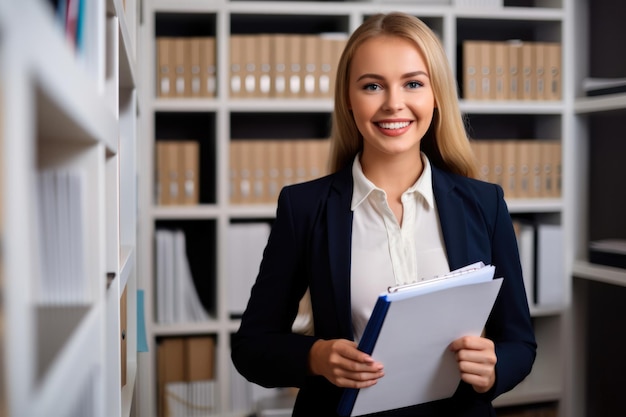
(383, 252)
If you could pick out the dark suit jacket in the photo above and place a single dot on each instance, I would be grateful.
(309, 246)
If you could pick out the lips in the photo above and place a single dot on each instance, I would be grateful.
(393, 128)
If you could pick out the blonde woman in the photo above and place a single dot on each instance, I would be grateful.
(400, 205)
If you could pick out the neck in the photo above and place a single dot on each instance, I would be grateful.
(394, 174)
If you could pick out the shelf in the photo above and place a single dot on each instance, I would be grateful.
(76, 366)
(511, 107)
(600, 273)
(180, 329)
(609, 102)
(71, 106)
(127, 264)
(522, 395)
(535, 205)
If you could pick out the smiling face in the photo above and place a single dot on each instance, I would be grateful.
(390, 96)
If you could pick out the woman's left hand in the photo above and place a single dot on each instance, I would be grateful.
(477, 359)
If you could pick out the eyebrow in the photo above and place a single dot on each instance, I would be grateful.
(379, 77)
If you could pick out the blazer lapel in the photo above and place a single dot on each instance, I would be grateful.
(452, 219)
(339, 243)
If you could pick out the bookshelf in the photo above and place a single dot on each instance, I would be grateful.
(597, 215)
(68, 208)
(215, 121)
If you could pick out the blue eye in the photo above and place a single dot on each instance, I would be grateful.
(371, 87)
(414, 84)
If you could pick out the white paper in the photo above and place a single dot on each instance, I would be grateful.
(413, 344)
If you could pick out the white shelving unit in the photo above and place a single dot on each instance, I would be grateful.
(594, 286)
(69, 111)
(540, 20)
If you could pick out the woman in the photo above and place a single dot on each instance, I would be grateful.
(399, 206)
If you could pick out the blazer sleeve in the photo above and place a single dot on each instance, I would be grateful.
(264, 349)
(510, 325)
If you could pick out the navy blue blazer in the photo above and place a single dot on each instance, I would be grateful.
(309, 246)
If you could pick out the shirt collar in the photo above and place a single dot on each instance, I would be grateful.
(363, 186)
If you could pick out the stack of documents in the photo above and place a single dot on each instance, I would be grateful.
(410, 331)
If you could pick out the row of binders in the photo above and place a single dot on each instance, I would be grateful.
(186, 67)
(260, 168)
(177, 172)
(541, 251)
(511, 70)
(285, 66)
(260, 66)
(528, 168)
(62, 278)
(186, 377)
(177, 298)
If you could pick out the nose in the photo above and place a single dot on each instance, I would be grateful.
(393, 101)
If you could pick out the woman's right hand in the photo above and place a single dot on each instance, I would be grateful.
(340, 362)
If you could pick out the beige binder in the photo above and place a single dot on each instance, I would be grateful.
(310, 66)
(523, 183)
(294, 69)
(501, 71)
(171, 368)
(234, 169)
(208, 83)
(165, 71)
(326, 58)
(510, 170)
(245, 172)
(160, 172)
(286, 163)
(481, 152)
(258, 172)
(540, 70)
(496, 162)
(236, 87)
(528, 71)
(515, 69)
(536, 164)
(553, 71)
(279, 66)
(273, 170)
(199, 358)
(195, 67)
(300, 164)
(263, 65)
(189, 157)
(471, 68)
(249, 52)
(486, 72)
(179, 56)
(168, 156)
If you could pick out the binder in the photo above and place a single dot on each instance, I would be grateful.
(195, 67)
(501, 71)
(540, 70)
(461, 301)
(486, 73)
(471, 64)
(263, 65)
(208, 82)
(294, 69)
(249, 62)
(189, 154)
(178, 55)
(236, 66)
(553, 71)
(310, 66)
(279, 65)
(515, 69)
(164, 68)
(529, 78)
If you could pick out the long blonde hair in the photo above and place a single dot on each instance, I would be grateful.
(446, 143)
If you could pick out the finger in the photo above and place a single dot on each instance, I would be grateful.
(478, 356)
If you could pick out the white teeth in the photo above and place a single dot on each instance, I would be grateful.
(394, 125)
